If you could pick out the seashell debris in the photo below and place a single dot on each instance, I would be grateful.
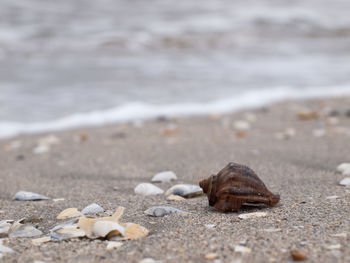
(5, 226)
(4, 249)
(159, 211)
(164, 177)
(110, 228)
(307, 115)
(185, 190)
(39, 241)
(252, 215)
(113, 244)
(45, 143)
(29, 196)
(242, 250)
(343, 167)
(241, 125)
(20, 230)
(298, 255)
(134, 231)
(234, 186)
(69, 213)
(345, 181)
(92, 209)
(147, 189)
(346, 173)
(211, 256)
(175, 198)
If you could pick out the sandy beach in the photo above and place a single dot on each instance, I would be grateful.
(103, 165)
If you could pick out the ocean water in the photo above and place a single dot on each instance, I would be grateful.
(80, 63)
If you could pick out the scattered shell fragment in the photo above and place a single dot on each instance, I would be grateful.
(5, 226)
(92, 209)
(286, 134)
(4, 249)
(234, 186)
(307, 115)
(58, 199)
(210, 226)
(250, 117)
(170, 129)
(45, 143)
(319, 133)
(333, 247)
(242, 250)
(134, 231)
(19, 230)
(343, 167)
(346, 173)
(164, 177)
(159, 211)
(175, 198)
(148, 189)
(113, 244)
(252, 215)
(185, 190)
(211, 256)
(345, 181)
(149, 260)
(332, 197)
(332, 121)
(69, 213)
(241, 125)
(29, 196)
(298, 255)
(107, 228)
(341, 235)
(69, 232)
(40, 240)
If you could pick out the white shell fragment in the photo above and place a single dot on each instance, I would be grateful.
(242, 250)
(19, 230)
(346, 172)
(345, 181)
(113, 244)
(39, 241)
(185, 190)
(159, 211)
(272, 230)
(175, 198)
(252, 215)
(103, 228)
(29, 196)
(4, 249)
(241, 125)
(69, 213)
(5, 226)
(92, 209)
(343, 167)
(45, 143)
(164, 177)
(147, 189)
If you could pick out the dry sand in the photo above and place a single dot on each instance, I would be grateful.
(106, 167)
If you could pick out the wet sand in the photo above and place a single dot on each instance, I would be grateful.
(106, 167)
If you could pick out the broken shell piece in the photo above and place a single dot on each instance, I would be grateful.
(40, 240)
(185, 190)
(149, 260)
(341, 235)
(343, 167)
(175, 198)
(69, 213)
(211, 256)
(148, 189)
(29, 196)
(5, 226)
(113, 244)
(234, 186)
(110, 228)
(345, 181)
(68, 232)
(242, 250)
(164, 177)
(286, 134)
(319, 132)
(159, 211)
(92, 209)
(271, 230)
(19, 230)
(252, 215)
(333, 247)
(307, 115)
(298, 255)
(241, 125)
(4, 249)
(346, 173)
(134, 231)
(332, 197)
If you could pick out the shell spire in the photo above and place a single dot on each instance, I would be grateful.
(235, 185)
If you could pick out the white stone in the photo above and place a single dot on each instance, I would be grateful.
(164, 177)
(343, 167)
(147, 189)
(29, 196)
(345, 181)
(252, 215)
(92, 209)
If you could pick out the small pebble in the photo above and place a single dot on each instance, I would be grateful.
(160, 211)
(298, 255)
(211, 256)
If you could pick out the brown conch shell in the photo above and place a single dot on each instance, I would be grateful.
(235, 185)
